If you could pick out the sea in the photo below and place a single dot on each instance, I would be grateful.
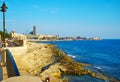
(102, 55)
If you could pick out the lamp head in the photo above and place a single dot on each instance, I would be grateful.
(4, 7)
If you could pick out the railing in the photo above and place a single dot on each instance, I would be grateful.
(12, 69)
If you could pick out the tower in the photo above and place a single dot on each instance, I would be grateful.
(34, 30)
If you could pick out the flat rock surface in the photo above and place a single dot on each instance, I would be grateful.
(23, 79)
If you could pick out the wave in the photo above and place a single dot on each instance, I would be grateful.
(72, 56)
(98, 67)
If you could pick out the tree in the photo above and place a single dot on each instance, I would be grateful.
(6, 35)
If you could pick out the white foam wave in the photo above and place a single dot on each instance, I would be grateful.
(72, 56)
(98, 67)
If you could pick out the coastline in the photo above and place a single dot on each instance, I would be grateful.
(46, 60)
(37, 40)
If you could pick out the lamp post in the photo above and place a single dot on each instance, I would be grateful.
(3, 9)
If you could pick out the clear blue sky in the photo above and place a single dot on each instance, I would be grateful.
(88, 18)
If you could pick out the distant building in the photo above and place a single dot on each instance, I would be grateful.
(31, 32)
(34, 30)
(17, 36)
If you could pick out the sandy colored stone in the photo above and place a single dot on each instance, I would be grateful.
(36, 57)
(23, 79)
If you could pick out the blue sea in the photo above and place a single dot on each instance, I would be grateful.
(103, 55)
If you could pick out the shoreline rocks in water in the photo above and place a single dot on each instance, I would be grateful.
(75, 68)
(45, 60)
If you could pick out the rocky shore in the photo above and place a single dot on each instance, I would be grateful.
(46, 60)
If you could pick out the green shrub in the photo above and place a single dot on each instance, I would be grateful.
(6, 35)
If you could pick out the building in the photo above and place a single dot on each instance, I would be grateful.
(34, 30)
(17, 36)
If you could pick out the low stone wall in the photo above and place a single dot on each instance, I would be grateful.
(20, 42)
(11, 66)
(18, 50)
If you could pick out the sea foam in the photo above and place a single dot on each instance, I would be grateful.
(72, 56)
(98, 67)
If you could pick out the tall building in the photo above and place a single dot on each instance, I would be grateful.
(34, 30)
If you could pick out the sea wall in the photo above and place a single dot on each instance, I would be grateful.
(18, 50)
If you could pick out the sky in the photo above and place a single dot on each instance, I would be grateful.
(85, 18)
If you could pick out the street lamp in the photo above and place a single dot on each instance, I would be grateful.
(3, 9)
